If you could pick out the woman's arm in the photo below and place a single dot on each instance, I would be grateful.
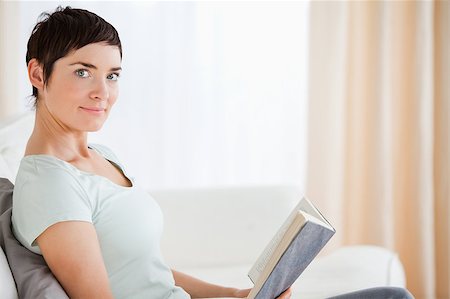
(201, 289)
(72, 252)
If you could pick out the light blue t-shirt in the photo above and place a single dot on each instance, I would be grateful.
(128, 221)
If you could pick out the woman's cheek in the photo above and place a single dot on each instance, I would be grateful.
(80, 86)
(114, 94)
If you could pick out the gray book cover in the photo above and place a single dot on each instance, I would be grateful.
(301, 251)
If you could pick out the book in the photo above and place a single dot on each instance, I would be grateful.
(297, 242)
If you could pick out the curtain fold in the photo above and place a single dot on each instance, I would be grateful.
(378, 130)
(10, 104)
(441, 171)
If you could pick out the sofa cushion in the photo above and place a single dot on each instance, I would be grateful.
(31, 273)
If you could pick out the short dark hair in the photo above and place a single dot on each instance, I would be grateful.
(66, 29)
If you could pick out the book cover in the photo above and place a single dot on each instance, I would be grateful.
(299, 254)
(298, 241)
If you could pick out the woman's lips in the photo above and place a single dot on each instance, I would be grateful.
(93, 110)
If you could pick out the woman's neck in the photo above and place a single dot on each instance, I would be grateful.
(52, 137)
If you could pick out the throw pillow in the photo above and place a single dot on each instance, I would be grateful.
(32, 276)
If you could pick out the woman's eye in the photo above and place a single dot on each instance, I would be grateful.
(82, 73)
(113, 76)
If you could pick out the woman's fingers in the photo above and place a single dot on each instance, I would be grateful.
(286, 294)
(242, 293)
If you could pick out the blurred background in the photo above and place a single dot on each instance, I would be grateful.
(348, 101)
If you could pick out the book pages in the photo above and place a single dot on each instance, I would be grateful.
(264, 258)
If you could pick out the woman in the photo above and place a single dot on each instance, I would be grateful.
(73, 202)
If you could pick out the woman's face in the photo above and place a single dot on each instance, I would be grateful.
(83, 87)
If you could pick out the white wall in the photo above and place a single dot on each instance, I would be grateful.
(212, 93)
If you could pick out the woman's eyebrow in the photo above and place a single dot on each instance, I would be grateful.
(91, 66)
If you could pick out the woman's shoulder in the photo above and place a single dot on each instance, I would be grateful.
(44, 169)
(45, 178)
(37, 163)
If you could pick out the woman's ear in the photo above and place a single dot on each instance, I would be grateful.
(36, 74)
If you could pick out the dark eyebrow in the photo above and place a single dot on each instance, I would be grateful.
(91, 66)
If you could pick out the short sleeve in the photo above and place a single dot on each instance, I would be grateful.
(44, 199)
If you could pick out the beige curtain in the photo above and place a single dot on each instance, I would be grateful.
(10, 56)
(378, 130)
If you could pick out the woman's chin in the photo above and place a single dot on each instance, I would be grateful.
(93, 127)
(96, 129)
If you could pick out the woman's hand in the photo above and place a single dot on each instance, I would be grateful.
(197, 288)
(241, 293)
(286, 294)
(244, 293)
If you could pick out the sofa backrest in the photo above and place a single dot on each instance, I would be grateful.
(14, 134)
(227, 226)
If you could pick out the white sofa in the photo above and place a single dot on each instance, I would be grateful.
(217, 233)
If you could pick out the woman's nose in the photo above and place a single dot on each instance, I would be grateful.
(100, 90)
